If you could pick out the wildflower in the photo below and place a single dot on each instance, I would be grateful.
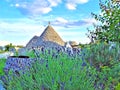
(83, 64)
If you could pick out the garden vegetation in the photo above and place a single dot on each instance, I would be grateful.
(96, 67)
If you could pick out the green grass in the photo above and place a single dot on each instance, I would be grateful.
(2, 64)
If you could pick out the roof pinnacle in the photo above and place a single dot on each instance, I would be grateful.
(49, 23)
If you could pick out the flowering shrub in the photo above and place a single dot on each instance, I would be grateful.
(100, 54)
(96, 68)
(106, 62)
(17, 63)
(54, 73)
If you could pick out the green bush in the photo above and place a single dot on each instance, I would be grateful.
(31, 54)
(106, 62)
(63, 73)
(2, 64)
(117, 87)
(109, 77)
(99, 54)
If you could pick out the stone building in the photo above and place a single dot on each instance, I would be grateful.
(49, 38)
(32, 42)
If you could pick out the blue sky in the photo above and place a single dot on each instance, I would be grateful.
(20, 20)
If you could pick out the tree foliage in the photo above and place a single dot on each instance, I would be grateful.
(108, 28)
(7, 47)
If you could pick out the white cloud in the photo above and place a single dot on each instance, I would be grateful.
(72, 4)
(61, 20)
(54, 2)
(37, 7)
(42, 10)
(81, 1)
(90, 20)
(85, 22)
(17, 5)
(77, 1)
(3, 43)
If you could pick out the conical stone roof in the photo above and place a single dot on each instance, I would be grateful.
(50, 34)
(32, 42)
(48, 38)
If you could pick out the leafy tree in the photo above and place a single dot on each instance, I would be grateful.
(7, 47)
(108, 28)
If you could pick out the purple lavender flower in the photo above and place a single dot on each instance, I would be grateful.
(83, 64)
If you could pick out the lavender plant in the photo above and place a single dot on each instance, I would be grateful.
(51, 72)
(94, 68)
(106, 61)
(100, 55)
